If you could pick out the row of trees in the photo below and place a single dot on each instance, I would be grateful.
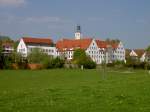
(79, 58)
(47, 62)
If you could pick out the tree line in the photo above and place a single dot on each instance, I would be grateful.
(80, 59)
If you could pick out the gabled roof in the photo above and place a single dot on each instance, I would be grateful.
(71, 43)
(31, 40)
(127, 51)
(135, 52)
(101, 44)
(104, 44)
(139, 52)
(114, 45)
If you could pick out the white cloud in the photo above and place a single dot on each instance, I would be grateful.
(12, 2)
(10, 19)
(45, 19)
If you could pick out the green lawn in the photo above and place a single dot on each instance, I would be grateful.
(62, 90)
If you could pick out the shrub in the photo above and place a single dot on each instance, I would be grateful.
(80, 58)
(58, 63)
(89, 64)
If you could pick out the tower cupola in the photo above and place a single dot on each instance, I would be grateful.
(78, 32)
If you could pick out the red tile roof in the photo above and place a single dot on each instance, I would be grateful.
(114, 45)
(37, 40)
(101, 44)
(104, 44)
(139, 52)
(71, 43)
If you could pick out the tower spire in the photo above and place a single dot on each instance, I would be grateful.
(78, 32)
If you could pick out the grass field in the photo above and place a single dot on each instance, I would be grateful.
(65, 90)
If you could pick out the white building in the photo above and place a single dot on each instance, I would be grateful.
(118, 52)
(138, 54)
(27, 44)
(7, 48)
(96, 49)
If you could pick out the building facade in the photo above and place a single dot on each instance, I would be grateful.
(99, 51)
(8, 48)
(27, 44)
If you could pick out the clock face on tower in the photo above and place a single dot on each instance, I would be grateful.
(78, 32)
(77, 35)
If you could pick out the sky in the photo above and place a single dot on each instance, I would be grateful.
(127, 20)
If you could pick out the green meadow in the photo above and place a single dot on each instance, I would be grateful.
(66, 90)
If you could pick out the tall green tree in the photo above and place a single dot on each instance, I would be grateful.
(37, 56)
(79, 55)
(112, 41)
(1, 56)
(148, 48)
(5, 38)
(80, 58)
(5, 61)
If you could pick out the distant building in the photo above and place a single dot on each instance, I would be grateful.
(7, 48)
(138, 54)
(147, 57)
(96, 49)
(27, 44)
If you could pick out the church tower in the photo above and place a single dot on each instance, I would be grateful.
(78, 33)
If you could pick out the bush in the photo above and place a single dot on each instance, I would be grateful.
(58, 63)
(7, 63)
(110, 64)
(54, 63)
(80, 58)
(23, 64)
(89, 64)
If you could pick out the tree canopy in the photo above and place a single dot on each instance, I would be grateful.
(80, 58)
(148, 48)
(113, 41)
(79, 54)
(37, 56)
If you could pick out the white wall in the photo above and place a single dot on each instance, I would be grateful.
(142, 59)
(48, 50)
(26, 49)
(97, 54)
(119, 53)
(94, 52)
(22, 49)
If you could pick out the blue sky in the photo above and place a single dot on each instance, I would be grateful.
(127, 20)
